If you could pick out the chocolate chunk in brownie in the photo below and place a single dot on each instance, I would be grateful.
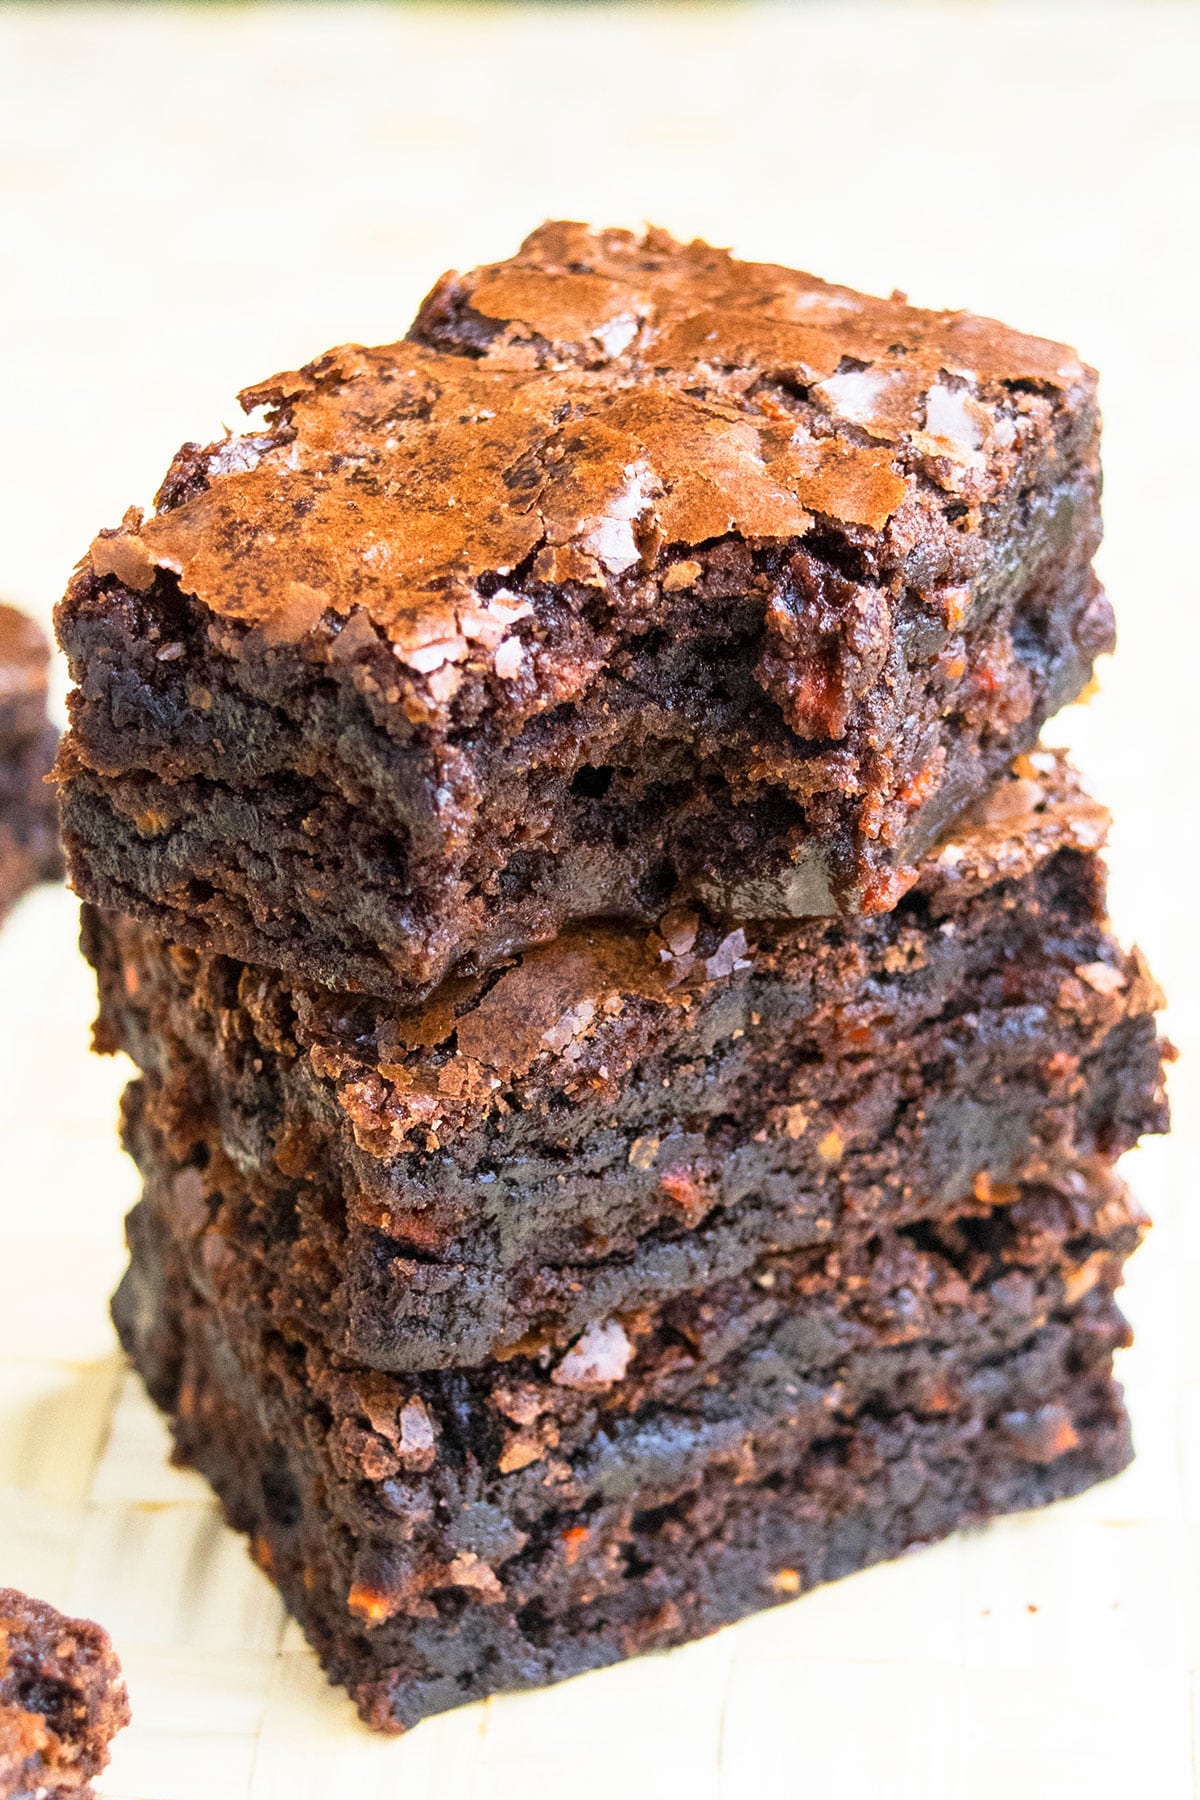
(636, 577)
(29, 847)
(622, 1115)
(454, 1534)
(62, 1699)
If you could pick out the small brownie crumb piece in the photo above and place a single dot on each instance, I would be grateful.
(62, 1700)
(636, 576)
(29, 847)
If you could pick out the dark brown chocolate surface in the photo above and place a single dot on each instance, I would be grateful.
(585, 420)
(62, 1699)
(620, 1115)
(450, 1535)
(684, 578)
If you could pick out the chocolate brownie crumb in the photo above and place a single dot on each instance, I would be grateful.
(62, 1700)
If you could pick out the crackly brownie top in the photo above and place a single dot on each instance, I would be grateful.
(574, 1015)
(586, 415)
(24, 655)
(62, 1697)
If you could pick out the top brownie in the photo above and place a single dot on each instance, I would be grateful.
(635, 575)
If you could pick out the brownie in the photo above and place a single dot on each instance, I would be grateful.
(622, 1115)
(453, 1534)
(62, 1699)
(636, 577)
(29, 847)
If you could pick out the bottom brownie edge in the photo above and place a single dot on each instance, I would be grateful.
(580, 1586)
(720, 1555)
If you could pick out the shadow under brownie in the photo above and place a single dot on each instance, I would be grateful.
(636, 576)
(621, 1116)
(456, 1533)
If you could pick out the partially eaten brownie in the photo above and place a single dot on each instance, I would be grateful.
(632, 1053)
(636, 576)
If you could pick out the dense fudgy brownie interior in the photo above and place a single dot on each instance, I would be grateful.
(617, 1117)
(447, 1535)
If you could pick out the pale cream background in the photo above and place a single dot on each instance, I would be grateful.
(189, 200)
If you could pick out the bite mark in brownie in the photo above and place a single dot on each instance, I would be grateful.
(29, 846)
(622, 1115)
(62, 1700)
(636, 576)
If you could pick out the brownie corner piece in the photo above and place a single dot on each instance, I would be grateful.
(636, 575)
(62, 1700)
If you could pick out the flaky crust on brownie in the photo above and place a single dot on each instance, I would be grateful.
(671, 577)
(666, 395)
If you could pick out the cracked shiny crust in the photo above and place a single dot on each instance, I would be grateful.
(782, 574)
(674, 398)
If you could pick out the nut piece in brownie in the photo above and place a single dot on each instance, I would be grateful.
(621, 1115)
(449, 1535)
(637, 576)
(29, 848)
(62, 1699)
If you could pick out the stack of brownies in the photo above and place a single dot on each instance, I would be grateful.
(632, 1055)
